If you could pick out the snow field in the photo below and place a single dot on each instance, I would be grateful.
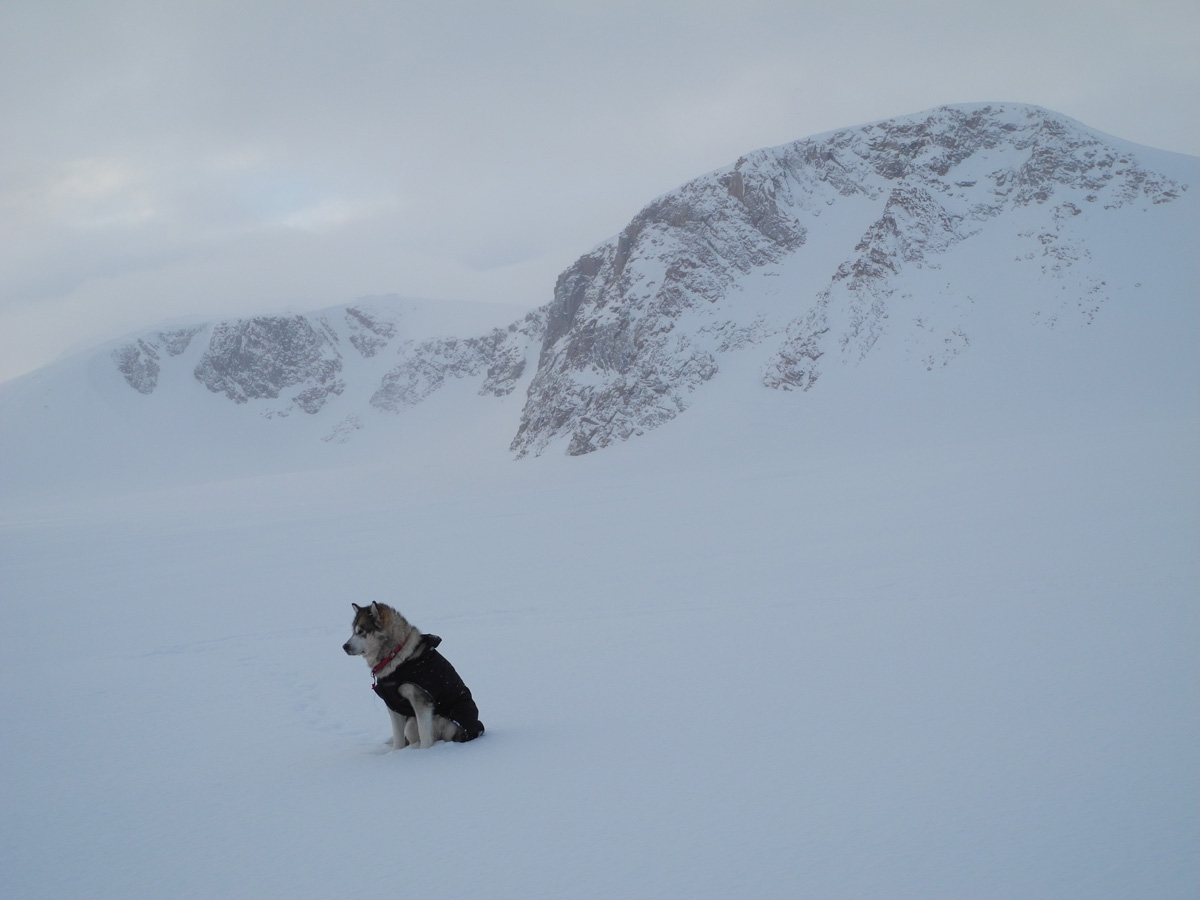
(899, 668)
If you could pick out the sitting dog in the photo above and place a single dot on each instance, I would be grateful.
(426, 699)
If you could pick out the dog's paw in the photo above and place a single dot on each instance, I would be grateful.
(383, 747)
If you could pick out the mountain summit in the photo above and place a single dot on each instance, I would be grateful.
(819, 250)
(908, 242)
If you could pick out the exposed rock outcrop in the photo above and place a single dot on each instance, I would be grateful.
(613, 362)
(258, 358)
(500, 356)
(138, 360)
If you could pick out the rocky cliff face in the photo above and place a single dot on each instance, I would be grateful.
(138, 361)
(613, 362)
(634, 325)
(281, 364)
(261, 357)
(808, 251)
(941, 177)
(500, 356)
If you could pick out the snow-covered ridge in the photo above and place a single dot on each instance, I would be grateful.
(299, 361)
(633, 323)
(909, 237)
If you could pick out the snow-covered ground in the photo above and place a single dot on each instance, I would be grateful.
(930, 639)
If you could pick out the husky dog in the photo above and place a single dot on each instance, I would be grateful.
(426, 699)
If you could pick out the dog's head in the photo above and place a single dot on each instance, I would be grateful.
(369, 625)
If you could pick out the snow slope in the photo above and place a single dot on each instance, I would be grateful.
(923, 633)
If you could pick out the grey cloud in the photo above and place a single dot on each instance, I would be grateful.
(166, 157)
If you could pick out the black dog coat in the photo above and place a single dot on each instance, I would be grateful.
(434, 675)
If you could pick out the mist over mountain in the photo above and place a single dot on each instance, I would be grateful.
(942, 243)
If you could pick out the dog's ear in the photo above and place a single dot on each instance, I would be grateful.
(357, 608)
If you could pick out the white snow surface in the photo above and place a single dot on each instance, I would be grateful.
(928, 654)
(921, 632)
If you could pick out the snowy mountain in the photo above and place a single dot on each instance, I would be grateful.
(913, 239)
(818, 250)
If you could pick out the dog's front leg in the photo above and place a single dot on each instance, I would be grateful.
(398, 723)
(424, 713)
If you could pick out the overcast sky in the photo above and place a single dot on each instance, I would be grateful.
(175, 158)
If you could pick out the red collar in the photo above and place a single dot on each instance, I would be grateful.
(375, 670)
